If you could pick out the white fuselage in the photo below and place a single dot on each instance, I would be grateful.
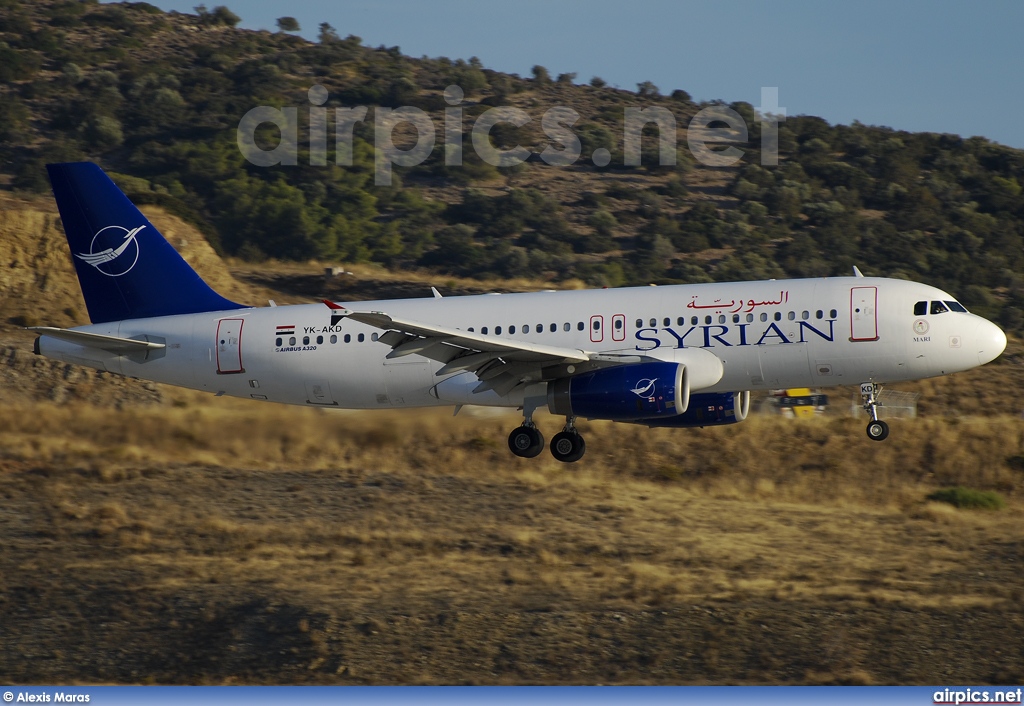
(769, 334)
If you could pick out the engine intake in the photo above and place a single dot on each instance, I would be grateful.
(639, 391)
(708, 410)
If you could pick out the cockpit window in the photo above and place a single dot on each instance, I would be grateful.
(956, 306)
(920, 309)
(939, 308)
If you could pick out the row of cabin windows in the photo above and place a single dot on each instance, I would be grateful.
(293, 341)
(617, 323)
(937, 307)
(539, 328)
(722, 318)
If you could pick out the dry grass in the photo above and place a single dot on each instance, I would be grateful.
(413, 548)
(822, 461)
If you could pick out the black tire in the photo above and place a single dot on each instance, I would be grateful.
(526, 442)
(568, 446)
(877, 430)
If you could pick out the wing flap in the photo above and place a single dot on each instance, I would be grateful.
(500, 364)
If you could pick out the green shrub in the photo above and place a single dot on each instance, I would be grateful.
(288, 24)
(969, 498)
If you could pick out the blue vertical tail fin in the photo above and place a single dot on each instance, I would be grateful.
(126, 268)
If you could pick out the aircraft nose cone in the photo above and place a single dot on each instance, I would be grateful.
(990, 341)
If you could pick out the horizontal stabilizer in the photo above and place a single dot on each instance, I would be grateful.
(111, 344)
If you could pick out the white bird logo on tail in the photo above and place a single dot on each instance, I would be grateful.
(109, 255)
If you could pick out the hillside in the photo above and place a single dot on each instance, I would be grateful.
(155, 98)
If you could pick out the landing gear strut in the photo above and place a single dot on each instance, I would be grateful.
(567, 445)
(877, 429)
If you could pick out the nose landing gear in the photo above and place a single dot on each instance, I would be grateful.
(877, 429)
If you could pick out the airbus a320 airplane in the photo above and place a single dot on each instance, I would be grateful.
(674, 356)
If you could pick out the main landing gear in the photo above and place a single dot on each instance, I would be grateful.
(526, 441)
(877, 429)
(567, 445)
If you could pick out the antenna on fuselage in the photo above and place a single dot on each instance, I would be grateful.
(857, 272)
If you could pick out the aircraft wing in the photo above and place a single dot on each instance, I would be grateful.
(501, 364)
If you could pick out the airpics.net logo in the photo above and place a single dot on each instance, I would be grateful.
(969, 697)
(708, 141)
(113, 251)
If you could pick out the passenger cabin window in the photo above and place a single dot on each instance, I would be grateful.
(819, 314)
(707, 320)
(484, 330)
(939, 308)
(512, 329)
(693, 321)
(497, 330)
(654, 323)
(540, 328)
(639, 323)
(566, 326)
(618, 324)
(833, 314)
(580, 326)
(920, 309)
(362, 337)
(956, 306)
(334, 338)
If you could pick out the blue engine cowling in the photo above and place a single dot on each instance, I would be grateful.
(635, 392)
(708, 410)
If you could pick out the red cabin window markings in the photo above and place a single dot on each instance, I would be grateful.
(619, 327)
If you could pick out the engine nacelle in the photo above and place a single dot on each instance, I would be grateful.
(635, 392)
(708, 410)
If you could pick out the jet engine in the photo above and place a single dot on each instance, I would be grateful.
(638, 391)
